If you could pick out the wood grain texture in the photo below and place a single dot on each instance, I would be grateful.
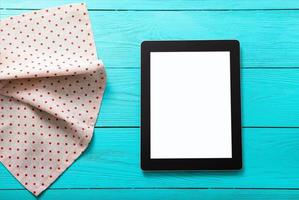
(156, 4)
(269, 98)
(155, 194)
(121, 101)
(112, 161)
(268, 38)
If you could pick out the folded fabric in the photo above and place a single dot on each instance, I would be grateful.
(51, 88)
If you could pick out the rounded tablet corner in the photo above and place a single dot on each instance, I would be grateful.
(237, 42)
(144, 43)
(239, 166)
(143, 168)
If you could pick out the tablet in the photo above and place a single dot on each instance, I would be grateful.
(190, 105)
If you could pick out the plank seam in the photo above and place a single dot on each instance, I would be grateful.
(117, 126)
(164, 188)
(269, 67)
(245, 127)
(295, 127)
(172, 10)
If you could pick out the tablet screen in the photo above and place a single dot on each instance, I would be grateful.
(190, 105)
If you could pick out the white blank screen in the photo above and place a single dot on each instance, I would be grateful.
(190, 105)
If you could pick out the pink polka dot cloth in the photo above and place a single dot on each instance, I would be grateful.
(51, 88)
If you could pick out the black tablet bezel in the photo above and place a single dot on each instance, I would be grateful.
(191, 164)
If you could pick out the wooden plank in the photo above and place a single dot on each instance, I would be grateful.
(268, 39)
(269, 98)
(112, 161)
(156, 4)
(155, 194)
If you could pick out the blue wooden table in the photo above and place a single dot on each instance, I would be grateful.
(109, 169)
